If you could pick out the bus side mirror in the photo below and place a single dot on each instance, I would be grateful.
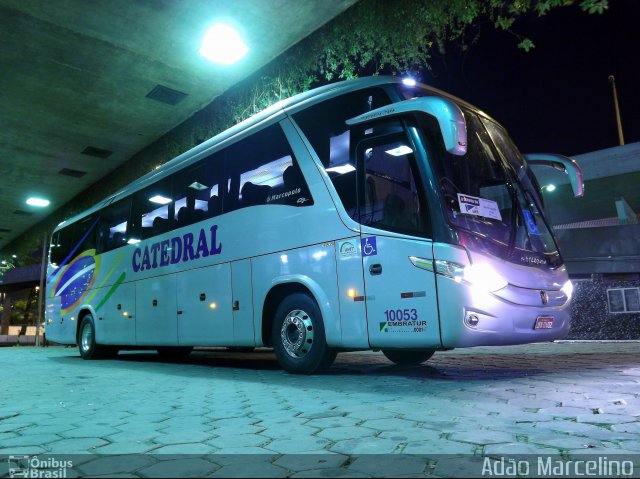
(449, 115)
(562, 163)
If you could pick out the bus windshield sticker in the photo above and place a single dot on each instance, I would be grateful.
(369, 247)
(347, 249)
(473, 205)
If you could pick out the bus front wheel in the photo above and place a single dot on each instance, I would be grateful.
(407, 358)
(87, 345)
(298, 336)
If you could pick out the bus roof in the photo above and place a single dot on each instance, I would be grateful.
(269, 115)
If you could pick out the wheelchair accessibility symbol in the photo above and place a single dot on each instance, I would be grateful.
(369, 247)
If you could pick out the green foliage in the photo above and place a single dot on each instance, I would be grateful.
(382, 36)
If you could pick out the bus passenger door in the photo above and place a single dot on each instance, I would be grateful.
(397, 254)
(156, 311)
(204, 307)
(242, 304)
(402, 308)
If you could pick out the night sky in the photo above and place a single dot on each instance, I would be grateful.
(555, 98)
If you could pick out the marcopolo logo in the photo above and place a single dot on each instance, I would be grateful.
(34, 466)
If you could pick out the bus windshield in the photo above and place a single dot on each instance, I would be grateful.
(489, 195)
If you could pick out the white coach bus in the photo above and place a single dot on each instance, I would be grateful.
(366, 214)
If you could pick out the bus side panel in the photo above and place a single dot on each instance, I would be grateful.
(353, 312)
(204, 307)
(59, 328)
(313, 267)
(156, 313)
(115, 321)
(242, 306)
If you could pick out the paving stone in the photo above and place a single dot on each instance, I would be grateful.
(387, 466)
(369, 445)
(250, 470)
(319, 473)
(89, 431)
(113, 465)
(30, 440)
(509, 448)
(180, 437)
(633, 427)
(482, 437)
(340, 433)
(389, 424)
(127, 448)
(440, 447)
(298, 445)
(17, 450)
(239, 440)
(192, 467)
(192, 448)
(338, 421)
(75, 446)
(310, 462)
(289, 432)
(412, 434)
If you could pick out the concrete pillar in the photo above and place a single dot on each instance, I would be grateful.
(6, 313)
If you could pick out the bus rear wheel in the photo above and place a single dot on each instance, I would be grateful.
(407, 358)
(87, 345)
(298, 336)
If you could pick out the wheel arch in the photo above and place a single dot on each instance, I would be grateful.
(286, 286)
(82, 313)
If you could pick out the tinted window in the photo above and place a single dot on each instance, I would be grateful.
(112, 226)
(325, 128)
(153, 211)
(72, 240)
(391, 191)
(262, 170)
(198, 191)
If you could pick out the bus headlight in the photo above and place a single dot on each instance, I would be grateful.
(485, 277)
(568, 289)
(479, 275)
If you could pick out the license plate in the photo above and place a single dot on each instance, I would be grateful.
(544, 322)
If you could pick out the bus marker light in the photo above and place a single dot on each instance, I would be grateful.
(213, 305)
(352, 293)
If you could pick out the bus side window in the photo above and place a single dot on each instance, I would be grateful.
(325, 128)
(391, 192)
(153, 211)
(262, 170)
(113, 225)
(197, 191)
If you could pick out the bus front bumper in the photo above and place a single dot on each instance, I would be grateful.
(472, 316)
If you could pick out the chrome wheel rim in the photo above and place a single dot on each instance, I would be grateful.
(85, 338)
(297, 333)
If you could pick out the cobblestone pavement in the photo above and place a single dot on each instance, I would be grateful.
(553, 398)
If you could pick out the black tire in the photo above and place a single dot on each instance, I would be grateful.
(241, 349)
(407, 358)
(313, 355)
(175, 353)
(87, 345)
